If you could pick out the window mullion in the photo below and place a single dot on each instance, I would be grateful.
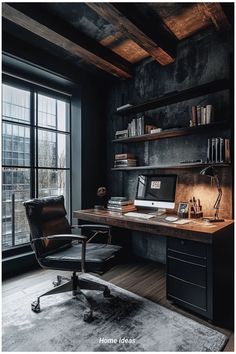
(32, 145)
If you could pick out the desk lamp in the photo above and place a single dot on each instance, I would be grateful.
(210, 172)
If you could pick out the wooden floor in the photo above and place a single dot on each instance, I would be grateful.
(144, 278)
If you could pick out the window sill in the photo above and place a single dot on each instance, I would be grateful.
(18, 264)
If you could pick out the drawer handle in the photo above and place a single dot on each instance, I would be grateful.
(182, 242)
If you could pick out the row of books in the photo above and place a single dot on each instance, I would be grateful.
(202, 115)
(125, 160)
(120, 204)
(218, 150)
(136, 126)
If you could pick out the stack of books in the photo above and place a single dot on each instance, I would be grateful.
(202, 115)
(125, 160)
(218, 150)
(120, 204)
(121, 134)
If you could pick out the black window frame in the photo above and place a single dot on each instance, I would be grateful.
(36, 90)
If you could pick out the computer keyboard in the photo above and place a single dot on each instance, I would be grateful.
(139, 215)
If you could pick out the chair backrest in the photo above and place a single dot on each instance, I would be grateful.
(47, 216)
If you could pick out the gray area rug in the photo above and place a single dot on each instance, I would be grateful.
(125, 322)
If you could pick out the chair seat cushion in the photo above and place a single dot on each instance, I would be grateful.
(98, 258)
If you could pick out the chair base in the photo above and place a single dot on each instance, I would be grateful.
(76, 285)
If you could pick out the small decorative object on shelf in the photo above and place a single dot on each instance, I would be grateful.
(156, 130)
(128, 105)
(149, 128)
(101, 198)
(125, 160)
(177, 96)
(195, 209)
(183, 210)
(120, 204)
(218, 150)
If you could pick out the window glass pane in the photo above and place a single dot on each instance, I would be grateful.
(15, 190)
(53, 149)
(47, 112)
(15, 145)
(63, 121)
(16, 104)
(54, 182)
(53, 113)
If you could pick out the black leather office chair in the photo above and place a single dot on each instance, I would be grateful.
(56, 248)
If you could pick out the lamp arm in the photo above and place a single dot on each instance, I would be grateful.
(218, 199)
(217, 202)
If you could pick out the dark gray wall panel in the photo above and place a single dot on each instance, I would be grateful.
(201, 59)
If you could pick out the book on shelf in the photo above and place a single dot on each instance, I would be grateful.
(209, 113)
(124, 156)
(213, 150)
(121, 134)
(218, 150)
(120, 202)
(125, 162)
(202, 115)
(119, 199)
(127, 105)
(194, 116)
(198, 116)
(122, 208)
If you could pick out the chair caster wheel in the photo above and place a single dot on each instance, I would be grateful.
(106, 292)
(56, 283)
(35, 307)
(88, 316)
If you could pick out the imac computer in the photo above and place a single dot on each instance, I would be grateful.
(156, 191)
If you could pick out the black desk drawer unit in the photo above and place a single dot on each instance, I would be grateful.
(187, 273)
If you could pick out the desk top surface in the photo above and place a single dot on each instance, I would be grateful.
(155, 225)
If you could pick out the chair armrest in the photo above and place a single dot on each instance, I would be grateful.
(81, 238)
(68, 237)
(93, 227)
(61, 237)
(97, 228)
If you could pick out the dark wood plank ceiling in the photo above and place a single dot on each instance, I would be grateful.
(112, 37)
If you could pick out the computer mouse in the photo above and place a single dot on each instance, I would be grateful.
(171, 218)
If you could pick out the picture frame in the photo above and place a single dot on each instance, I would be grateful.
(183, 209)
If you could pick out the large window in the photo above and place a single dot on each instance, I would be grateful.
(35, 155)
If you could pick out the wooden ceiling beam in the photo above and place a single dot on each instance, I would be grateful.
(214, 11)
(64, 36)
(146, 29)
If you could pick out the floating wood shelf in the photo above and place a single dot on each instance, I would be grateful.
(171, 133)
(164, 167)
(177, 96)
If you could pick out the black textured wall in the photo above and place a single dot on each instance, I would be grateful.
(202, 58)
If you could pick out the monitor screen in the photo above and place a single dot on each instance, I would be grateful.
(156, 191)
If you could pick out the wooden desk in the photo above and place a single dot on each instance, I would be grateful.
(199, 260)
(195, 230)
